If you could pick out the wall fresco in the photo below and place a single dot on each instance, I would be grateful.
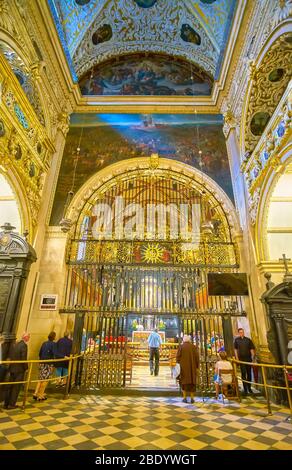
(110, 138)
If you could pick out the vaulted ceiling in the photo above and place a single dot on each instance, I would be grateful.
(94, 31)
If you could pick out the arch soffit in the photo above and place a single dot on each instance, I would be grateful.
(115, 170)
(20, 197)
(281, 29)
(10, 41)
(268, 187)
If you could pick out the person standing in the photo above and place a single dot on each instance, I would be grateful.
(3, 369)
(63, 349)
(154, 343)
(16, 371)
(244, 351)
(47, 351)
(188, 358)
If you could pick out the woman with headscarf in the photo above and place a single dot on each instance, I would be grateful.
(188, 358)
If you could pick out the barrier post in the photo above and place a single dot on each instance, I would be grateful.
(26, 385)
(266, 390)
(289, 390)
(66, 393)
(234, 365)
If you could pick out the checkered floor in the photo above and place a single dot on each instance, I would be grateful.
(150, 423)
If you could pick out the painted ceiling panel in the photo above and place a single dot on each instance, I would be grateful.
(196, 30)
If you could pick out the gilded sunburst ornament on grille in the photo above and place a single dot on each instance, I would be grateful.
(152, 253)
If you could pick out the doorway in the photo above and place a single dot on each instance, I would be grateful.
(139, 327)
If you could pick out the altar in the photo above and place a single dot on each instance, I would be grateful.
(141, 337)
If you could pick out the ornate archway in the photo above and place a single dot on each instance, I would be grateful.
(124, 279)
(273, 225)
(13, 207)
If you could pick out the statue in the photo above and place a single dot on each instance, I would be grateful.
(186, 296)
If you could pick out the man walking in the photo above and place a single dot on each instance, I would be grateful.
(154, 343)
(244, 351)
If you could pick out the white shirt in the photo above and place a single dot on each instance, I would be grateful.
(226, 379)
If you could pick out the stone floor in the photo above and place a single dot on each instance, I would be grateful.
(149, 423)
(142, 379)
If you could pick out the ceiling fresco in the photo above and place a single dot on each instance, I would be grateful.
(105, 139)
(95, 31)
(140, 74)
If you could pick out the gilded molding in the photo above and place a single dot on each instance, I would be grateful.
(132, 27)
(25, 147)
(142, 164)
(265, 92)
(266, 154)
(253, 36)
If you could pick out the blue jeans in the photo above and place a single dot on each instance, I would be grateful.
(61, 371)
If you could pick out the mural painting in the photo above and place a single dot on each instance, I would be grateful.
(110, 138)
(151, 75)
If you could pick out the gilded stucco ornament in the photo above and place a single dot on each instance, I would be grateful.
(266, 155)
(37, 70)
(6, 20)
(230, 121)
(146, 30)
(255, 38)
(268, 86)
(253, 203)
(63, 122)
(283, 11)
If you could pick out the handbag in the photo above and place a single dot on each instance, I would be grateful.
(176, 371)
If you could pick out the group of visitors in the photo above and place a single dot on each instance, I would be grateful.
(188, 359)
(15, 372)
(53, 350)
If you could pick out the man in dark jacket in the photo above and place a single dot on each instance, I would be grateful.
(244, 351)
(63, 349)
(16, 371)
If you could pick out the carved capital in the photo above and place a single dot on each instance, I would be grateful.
(278, 317)
(63, 122)
(229, 122)
(252, 70)
(37, 69)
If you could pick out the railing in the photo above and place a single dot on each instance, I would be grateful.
(281, 370)
(72, 362)
(283, 376)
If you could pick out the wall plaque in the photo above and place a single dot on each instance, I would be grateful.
(49, 302)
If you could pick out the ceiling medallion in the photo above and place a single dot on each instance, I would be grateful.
(145, 3)
(102, 34)
(188, 34)
(259, 122)
(82, 2)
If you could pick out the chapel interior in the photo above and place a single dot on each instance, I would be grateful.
(146, 183)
